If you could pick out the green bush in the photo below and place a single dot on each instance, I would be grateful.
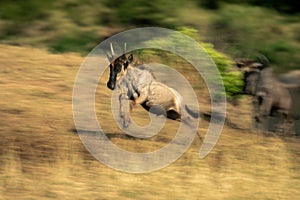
(79, 42)
(146, 13)
(24, 11)
(232, 79)
(246, 30)
(209, 4)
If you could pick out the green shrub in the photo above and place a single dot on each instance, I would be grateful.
(146, 13)
(232, 79)
(209, 4)
(79, 42)
(24, 11)
(246, 30)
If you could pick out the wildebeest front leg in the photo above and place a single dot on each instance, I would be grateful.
(256, 122)
(143, 95)
(124, 113)
(263, 114)
(288, 124)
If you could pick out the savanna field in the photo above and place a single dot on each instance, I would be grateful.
(42, 156)
(43, 44)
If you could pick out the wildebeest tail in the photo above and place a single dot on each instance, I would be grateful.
(193, 113)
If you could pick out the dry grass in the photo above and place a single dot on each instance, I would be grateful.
(42, 158)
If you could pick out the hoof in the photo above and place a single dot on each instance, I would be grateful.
(126, 124)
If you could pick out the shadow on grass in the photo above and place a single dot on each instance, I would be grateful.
(108, 135)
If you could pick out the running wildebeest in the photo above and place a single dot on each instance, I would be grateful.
(269, 94)
(138, 84)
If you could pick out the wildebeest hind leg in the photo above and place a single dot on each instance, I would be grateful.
(124, 111)
(187, 121)
(172, 114)
(288, 125)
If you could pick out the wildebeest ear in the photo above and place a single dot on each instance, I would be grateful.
(130, 58)
(123, 56)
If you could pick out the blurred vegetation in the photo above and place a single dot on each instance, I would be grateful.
(146, 13)
(232, 79)
(25, 11)
(243, 31)
(287, 6)
(237, 28)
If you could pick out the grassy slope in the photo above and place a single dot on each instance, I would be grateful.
(41, 157)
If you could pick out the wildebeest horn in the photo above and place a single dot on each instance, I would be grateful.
(257, 65)
(109, 57)
(112, 49)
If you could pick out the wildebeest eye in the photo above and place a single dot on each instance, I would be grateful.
(118, 67)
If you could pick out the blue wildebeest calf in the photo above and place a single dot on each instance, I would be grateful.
(270, 95)
(138, 84)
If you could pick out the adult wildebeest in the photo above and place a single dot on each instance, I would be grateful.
(269, 94)
(138, 84)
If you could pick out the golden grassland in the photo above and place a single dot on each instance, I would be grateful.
(42, 157)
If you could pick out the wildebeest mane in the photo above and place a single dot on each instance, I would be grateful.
(145, 67)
